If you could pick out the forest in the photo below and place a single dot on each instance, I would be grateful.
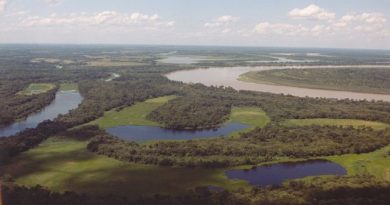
(251, 148)
(362, 190)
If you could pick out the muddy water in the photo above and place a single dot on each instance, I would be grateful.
(228, 76)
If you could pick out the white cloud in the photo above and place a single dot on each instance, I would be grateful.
(373, 19)
(107, 18)
(351, 26)
(312, 12)
(222, 21)
(53, 2)
(266, 28)
(3, 4)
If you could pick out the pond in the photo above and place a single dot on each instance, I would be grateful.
(62, 104)
(228, 76)
(276, 174)
(148, 133)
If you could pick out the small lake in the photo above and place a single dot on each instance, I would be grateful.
(148, 133)
(228, 76)
(62, 104)
(276, 174)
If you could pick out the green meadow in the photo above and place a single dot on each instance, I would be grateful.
(133, 115)
(37, 88)
(69, 86)
(376, 163)
(253, 116)
(62, 164)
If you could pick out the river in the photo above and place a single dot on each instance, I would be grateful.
(62, 104)
(228, 76)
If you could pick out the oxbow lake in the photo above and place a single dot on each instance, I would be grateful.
(276, 174)
(150, 133)
(62, 104)
(228, 76)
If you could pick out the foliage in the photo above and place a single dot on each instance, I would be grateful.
(254, 147)
(191, 113)
(319, 191)
(336, 122)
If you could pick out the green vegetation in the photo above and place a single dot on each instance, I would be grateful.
(69, 86)
(372, 80)
(361, 190)
(249, 148)
(255, 117)
(192, 113)
(336, 122)
(37, 88)
(64, 164)
(133, 115)
(375, 163)
(252, 116)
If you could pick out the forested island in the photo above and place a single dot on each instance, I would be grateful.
(368, 80)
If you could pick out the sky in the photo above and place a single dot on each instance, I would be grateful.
(279, 23)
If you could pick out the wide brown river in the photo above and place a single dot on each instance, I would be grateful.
(228, 76)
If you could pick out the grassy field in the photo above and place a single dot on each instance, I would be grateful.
(252, 116)
(69, 86)
(64, 164)
(338, 122)
(376, 163)
(37, 88)
(255, 117)
(133, 115)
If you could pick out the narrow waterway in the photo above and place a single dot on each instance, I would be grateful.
(62, 104)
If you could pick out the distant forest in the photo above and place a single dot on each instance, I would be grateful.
(371, 80)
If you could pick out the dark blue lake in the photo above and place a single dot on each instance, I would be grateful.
(276, 174)
(62, 104)
(147, 133)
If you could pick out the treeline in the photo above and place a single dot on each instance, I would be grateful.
(27, 139)
(259, 145)
(15, 107)
(357, 190)
(186, 111)
(192, 113)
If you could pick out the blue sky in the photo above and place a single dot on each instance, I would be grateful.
(298, 23)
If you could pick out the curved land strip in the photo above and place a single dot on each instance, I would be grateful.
(37, 88)
(137, 114)
(337, 122)
(364, 80)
